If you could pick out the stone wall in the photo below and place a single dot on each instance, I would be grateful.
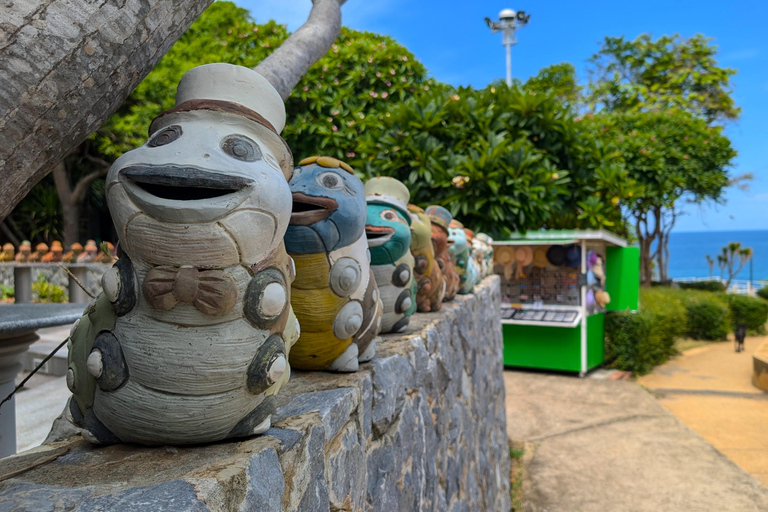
(421, 427)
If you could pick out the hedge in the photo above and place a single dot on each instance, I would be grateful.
(707, 286)
(708, 316)
(763, 292)
(750, 311)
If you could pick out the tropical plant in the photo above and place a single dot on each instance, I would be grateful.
(733, 255)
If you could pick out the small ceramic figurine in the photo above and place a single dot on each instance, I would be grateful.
(389, 237)
(25, 251)
(461, 257)
(441, 218)
(190, 339)
(482, 249)
(334, 294)
(90, 253)
(56, 253)
(8, 253)
(41, 250)
(74, 251)
(430, 283)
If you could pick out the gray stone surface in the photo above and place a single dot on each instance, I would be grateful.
(597, 445)
(28, 317)
(420, 427)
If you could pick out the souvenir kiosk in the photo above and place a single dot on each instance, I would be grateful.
(555, 289)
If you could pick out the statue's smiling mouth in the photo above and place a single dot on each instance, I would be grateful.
(175, 183)
(310, 209)
(378, 235)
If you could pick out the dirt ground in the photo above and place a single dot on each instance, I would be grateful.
(710, 389)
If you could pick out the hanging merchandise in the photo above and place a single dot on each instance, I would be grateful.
(556, 255)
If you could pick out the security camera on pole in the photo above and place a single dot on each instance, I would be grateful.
(509, 21)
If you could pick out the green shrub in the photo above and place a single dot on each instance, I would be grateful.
(639, 341)
(763, 292)
(708, 286)
(750, 311)
(47, 292)
(6, 292)
(709, 317)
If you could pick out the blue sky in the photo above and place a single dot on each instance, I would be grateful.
(454, 43)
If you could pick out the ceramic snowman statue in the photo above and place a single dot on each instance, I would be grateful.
(389, 237)
(441, 218)
(430, 283)
(334, 294)
(190, 339)
(461, 257)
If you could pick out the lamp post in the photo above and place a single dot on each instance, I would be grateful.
(509, 22)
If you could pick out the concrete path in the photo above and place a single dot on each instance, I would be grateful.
(710, 389)
(603, 445)
(43, 397)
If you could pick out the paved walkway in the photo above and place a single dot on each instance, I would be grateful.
(710, 389)
(604, 445)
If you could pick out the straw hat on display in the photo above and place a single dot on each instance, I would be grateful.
(504, 255)
(540, 257)
(523, 258)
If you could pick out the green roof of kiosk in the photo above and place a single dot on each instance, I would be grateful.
(564, 236)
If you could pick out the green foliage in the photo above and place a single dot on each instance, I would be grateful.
(503, 159)
(668, 73)
(558, 80)
(763, 292)
(38, 216)
(360, 76)
(6, 292)
(709, 317)
(637, 342)
(750, 311)
(709, 286)
(47, 292)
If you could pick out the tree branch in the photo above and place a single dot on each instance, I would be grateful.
(286, 65)
(82, 185)
(65, 67)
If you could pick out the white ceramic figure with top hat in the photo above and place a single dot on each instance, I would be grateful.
(190, 339)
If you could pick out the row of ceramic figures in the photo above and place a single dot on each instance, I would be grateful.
(55, 254)
(235, 266)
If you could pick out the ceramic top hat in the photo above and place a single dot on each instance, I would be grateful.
(234, 91)
(439, 215)
(573, 256)
(456, 224)
(556, 255)
(388, 191)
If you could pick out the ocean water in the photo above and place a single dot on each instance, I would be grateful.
(687, 252)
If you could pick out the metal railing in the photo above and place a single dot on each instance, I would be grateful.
(738, 286)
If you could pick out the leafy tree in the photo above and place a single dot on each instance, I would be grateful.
(502, 159)
(672, 156)
(670, 72)
(559, 80)
(733, 255)
(658, 102)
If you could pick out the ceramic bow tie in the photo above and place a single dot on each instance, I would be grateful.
(212, 292)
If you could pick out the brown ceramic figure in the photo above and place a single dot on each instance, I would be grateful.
(41, 250)
(56, 253)
(190, 339)
(74, 251)
(25, 252)
(430, 283)
(441, 218)
(90, 252)
(8, 253)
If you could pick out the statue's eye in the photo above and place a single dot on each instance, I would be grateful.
(166, 136)
(330, 180)
(389, 215)
(241, 148)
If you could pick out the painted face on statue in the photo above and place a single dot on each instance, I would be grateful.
(203, 177)
(459, 241)
(388, 232)
(328, 208)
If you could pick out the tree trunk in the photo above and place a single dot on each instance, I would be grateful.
(67, 65)
(286, 65)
